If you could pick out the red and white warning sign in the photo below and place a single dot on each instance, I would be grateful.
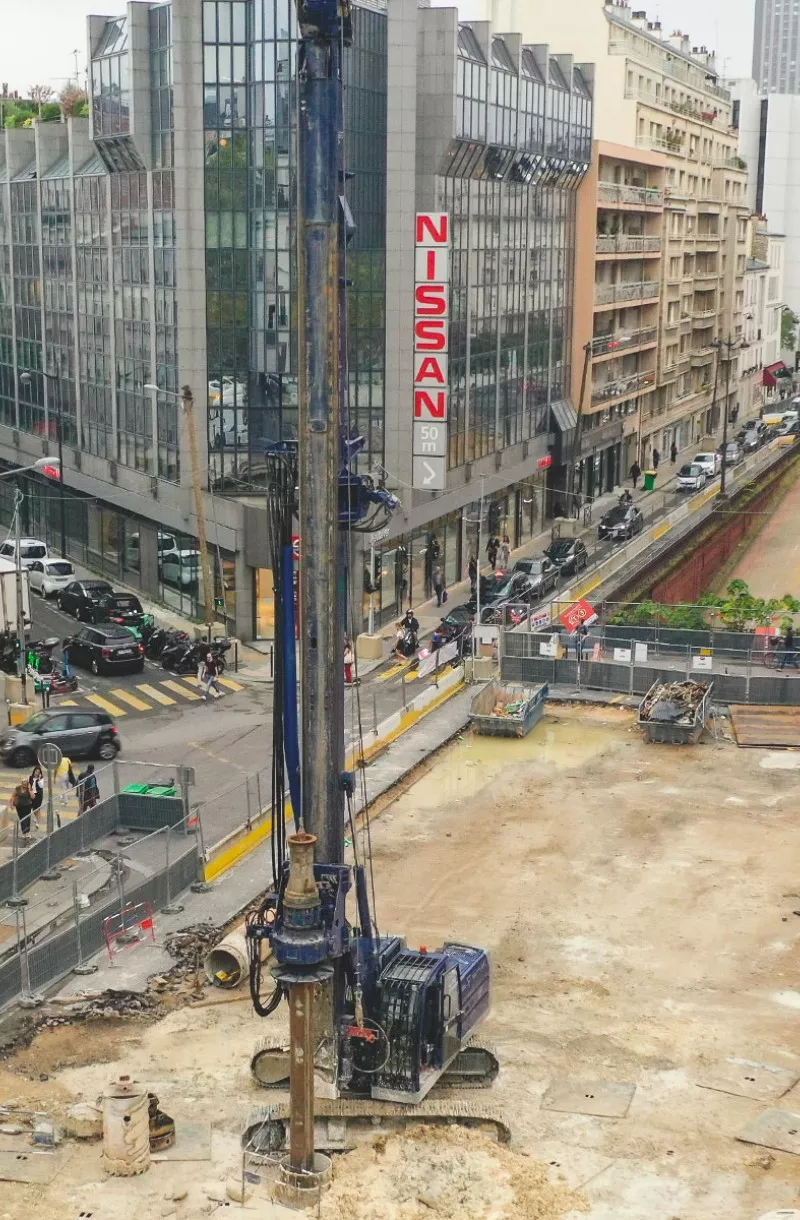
(431, 337)
(578, 614)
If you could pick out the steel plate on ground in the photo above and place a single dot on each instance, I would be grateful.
(192, 1143)
(38, 1168)
(778, 1129)
(765, 726)
(603, 1099)
(742, 1078)
(568, 1164)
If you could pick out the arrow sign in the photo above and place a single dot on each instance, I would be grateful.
(429, 473)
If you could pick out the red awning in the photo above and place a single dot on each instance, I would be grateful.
(771, 371)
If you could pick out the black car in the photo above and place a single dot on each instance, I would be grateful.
(121, 608)
(78, 734)
(569, 555)
(621, 521)
(83, 598)
(106, 649)
(541, 572)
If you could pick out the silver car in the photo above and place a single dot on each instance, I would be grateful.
(78, 734)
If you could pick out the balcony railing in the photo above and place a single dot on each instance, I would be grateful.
(646, 196)
(623, 342)
(623, 386)
(701, 315)
(708, 117)
(608, 294)
(622, 243)
(696, 76)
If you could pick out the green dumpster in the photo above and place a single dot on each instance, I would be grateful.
(649, 480)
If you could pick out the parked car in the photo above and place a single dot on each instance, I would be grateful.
(620, 522)
(30, 549)
(732, 453)
(711, 463)
(569, 555)
(166, 544)
(750, 440)
(50, 576)
(106, 649)
(181, 568)
(542, 572)
(691, 477)
(121, 608)
(83, 598)
(78, 734)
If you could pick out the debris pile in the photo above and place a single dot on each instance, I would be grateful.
(189, 947)
(442, 1172)
(674, 702)
(508, 709)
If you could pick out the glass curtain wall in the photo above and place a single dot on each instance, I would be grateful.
(8, 410)
(95, 364)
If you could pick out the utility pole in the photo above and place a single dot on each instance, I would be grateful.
(576, 444)
(187, 406)
(21, 650)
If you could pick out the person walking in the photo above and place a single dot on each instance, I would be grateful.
(65, 777)
(22, 802)
(472, 572)
(438, 585)
(349, 661)
(788, 653)
(673, 453)
(580, 641)
(656, 459)
(577, 505)
(212, 675)
(88, 789)
(504, 558)
(636, 474)
(36, 785)
(492, 547)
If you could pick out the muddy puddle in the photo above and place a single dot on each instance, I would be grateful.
(559, 741)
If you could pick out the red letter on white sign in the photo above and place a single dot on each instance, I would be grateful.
(430, 300)
(430, 406)
(430, 370)
(433, 228)
(430, 335)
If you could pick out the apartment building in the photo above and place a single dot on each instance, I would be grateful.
(763, 376)
(656, 94)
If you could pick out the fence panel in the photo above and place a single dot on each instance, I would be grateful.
(139, 812)
(10, 979)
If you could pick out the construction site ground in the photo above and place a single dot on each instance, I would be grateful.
(642, 907)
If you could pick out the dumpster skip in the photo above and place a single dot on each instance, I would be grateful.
(508, 709)
(675, 713)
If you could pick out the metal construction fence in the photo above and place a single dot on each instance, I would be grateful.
(52, 934)
(239, 807)
(630, 665)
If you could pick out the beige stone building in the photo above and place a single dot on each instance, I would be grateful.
(663, 128)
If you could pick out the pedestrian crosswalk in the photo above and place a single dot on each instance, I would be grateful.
(145, 696)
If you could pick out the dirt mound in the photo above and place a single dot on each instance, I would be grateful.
(443, 1174)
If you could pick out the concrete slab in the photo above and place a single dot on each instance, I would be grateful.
(600, 1098)
(566, 1163)
(746, 1078)
(778, 1129)
(35, 1168)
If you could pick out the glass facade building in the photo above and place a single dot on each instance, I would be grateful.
(153, 245)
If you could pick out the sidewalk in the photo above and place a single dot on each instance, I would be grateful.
(430, 615)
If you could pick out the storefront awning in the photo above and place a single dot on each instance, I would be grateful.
(773, 371)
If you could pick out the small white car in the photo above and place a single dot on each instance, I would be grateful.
(50, 576)
(181, 569)
(691, 477)
(711, 463)
(30, 549)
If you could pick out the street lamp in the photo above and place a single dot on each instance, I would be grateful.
(26, 378)
(39, 465)
(730, 345)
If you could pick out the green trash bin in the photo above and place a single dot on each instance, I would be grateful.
(649, 480)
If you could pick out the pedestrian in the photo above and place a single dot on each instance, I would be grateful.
(36, 785)
(492, 547)
(656, 459)
(88, 789)
(558, 508)
(788, 654)
(636, 474)
(673, 453)
(626, 497)
(505, 553)
(211, 675)
(438, 585)
(201, 672)
(580, 641)
(349, 661)
(65, 778)
(472, 572)
(577, 505)
(22, 802)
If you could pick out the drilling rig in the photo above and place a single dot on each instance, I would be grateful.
(374, 1025)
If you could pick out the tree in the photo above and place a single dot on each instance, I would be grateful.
(40, 94)
(739, 610)
(789, 320)
(73, 99)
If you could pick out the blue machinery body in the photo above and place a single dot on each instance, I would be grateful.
(397, 1018)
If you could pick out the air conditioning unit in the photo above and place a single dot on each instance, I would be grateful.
(112, 471)
(154, 486)
(498, 459)
(76, 458)
(15, 437)
(525, 446)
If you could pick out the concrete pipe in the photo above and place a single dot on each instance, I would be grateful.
(227, 964)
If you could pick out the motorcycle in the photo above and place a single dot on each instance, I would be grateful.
(406, 646)
(160, 638)
(172, 647)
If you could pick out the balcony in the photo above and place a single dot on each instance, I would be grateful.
(701, 356)
(638, 196)
(705, 274)
(625, 244)
(613, 345)
(612, 294)
(623, 387)
(704, 315)
(668, 373)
